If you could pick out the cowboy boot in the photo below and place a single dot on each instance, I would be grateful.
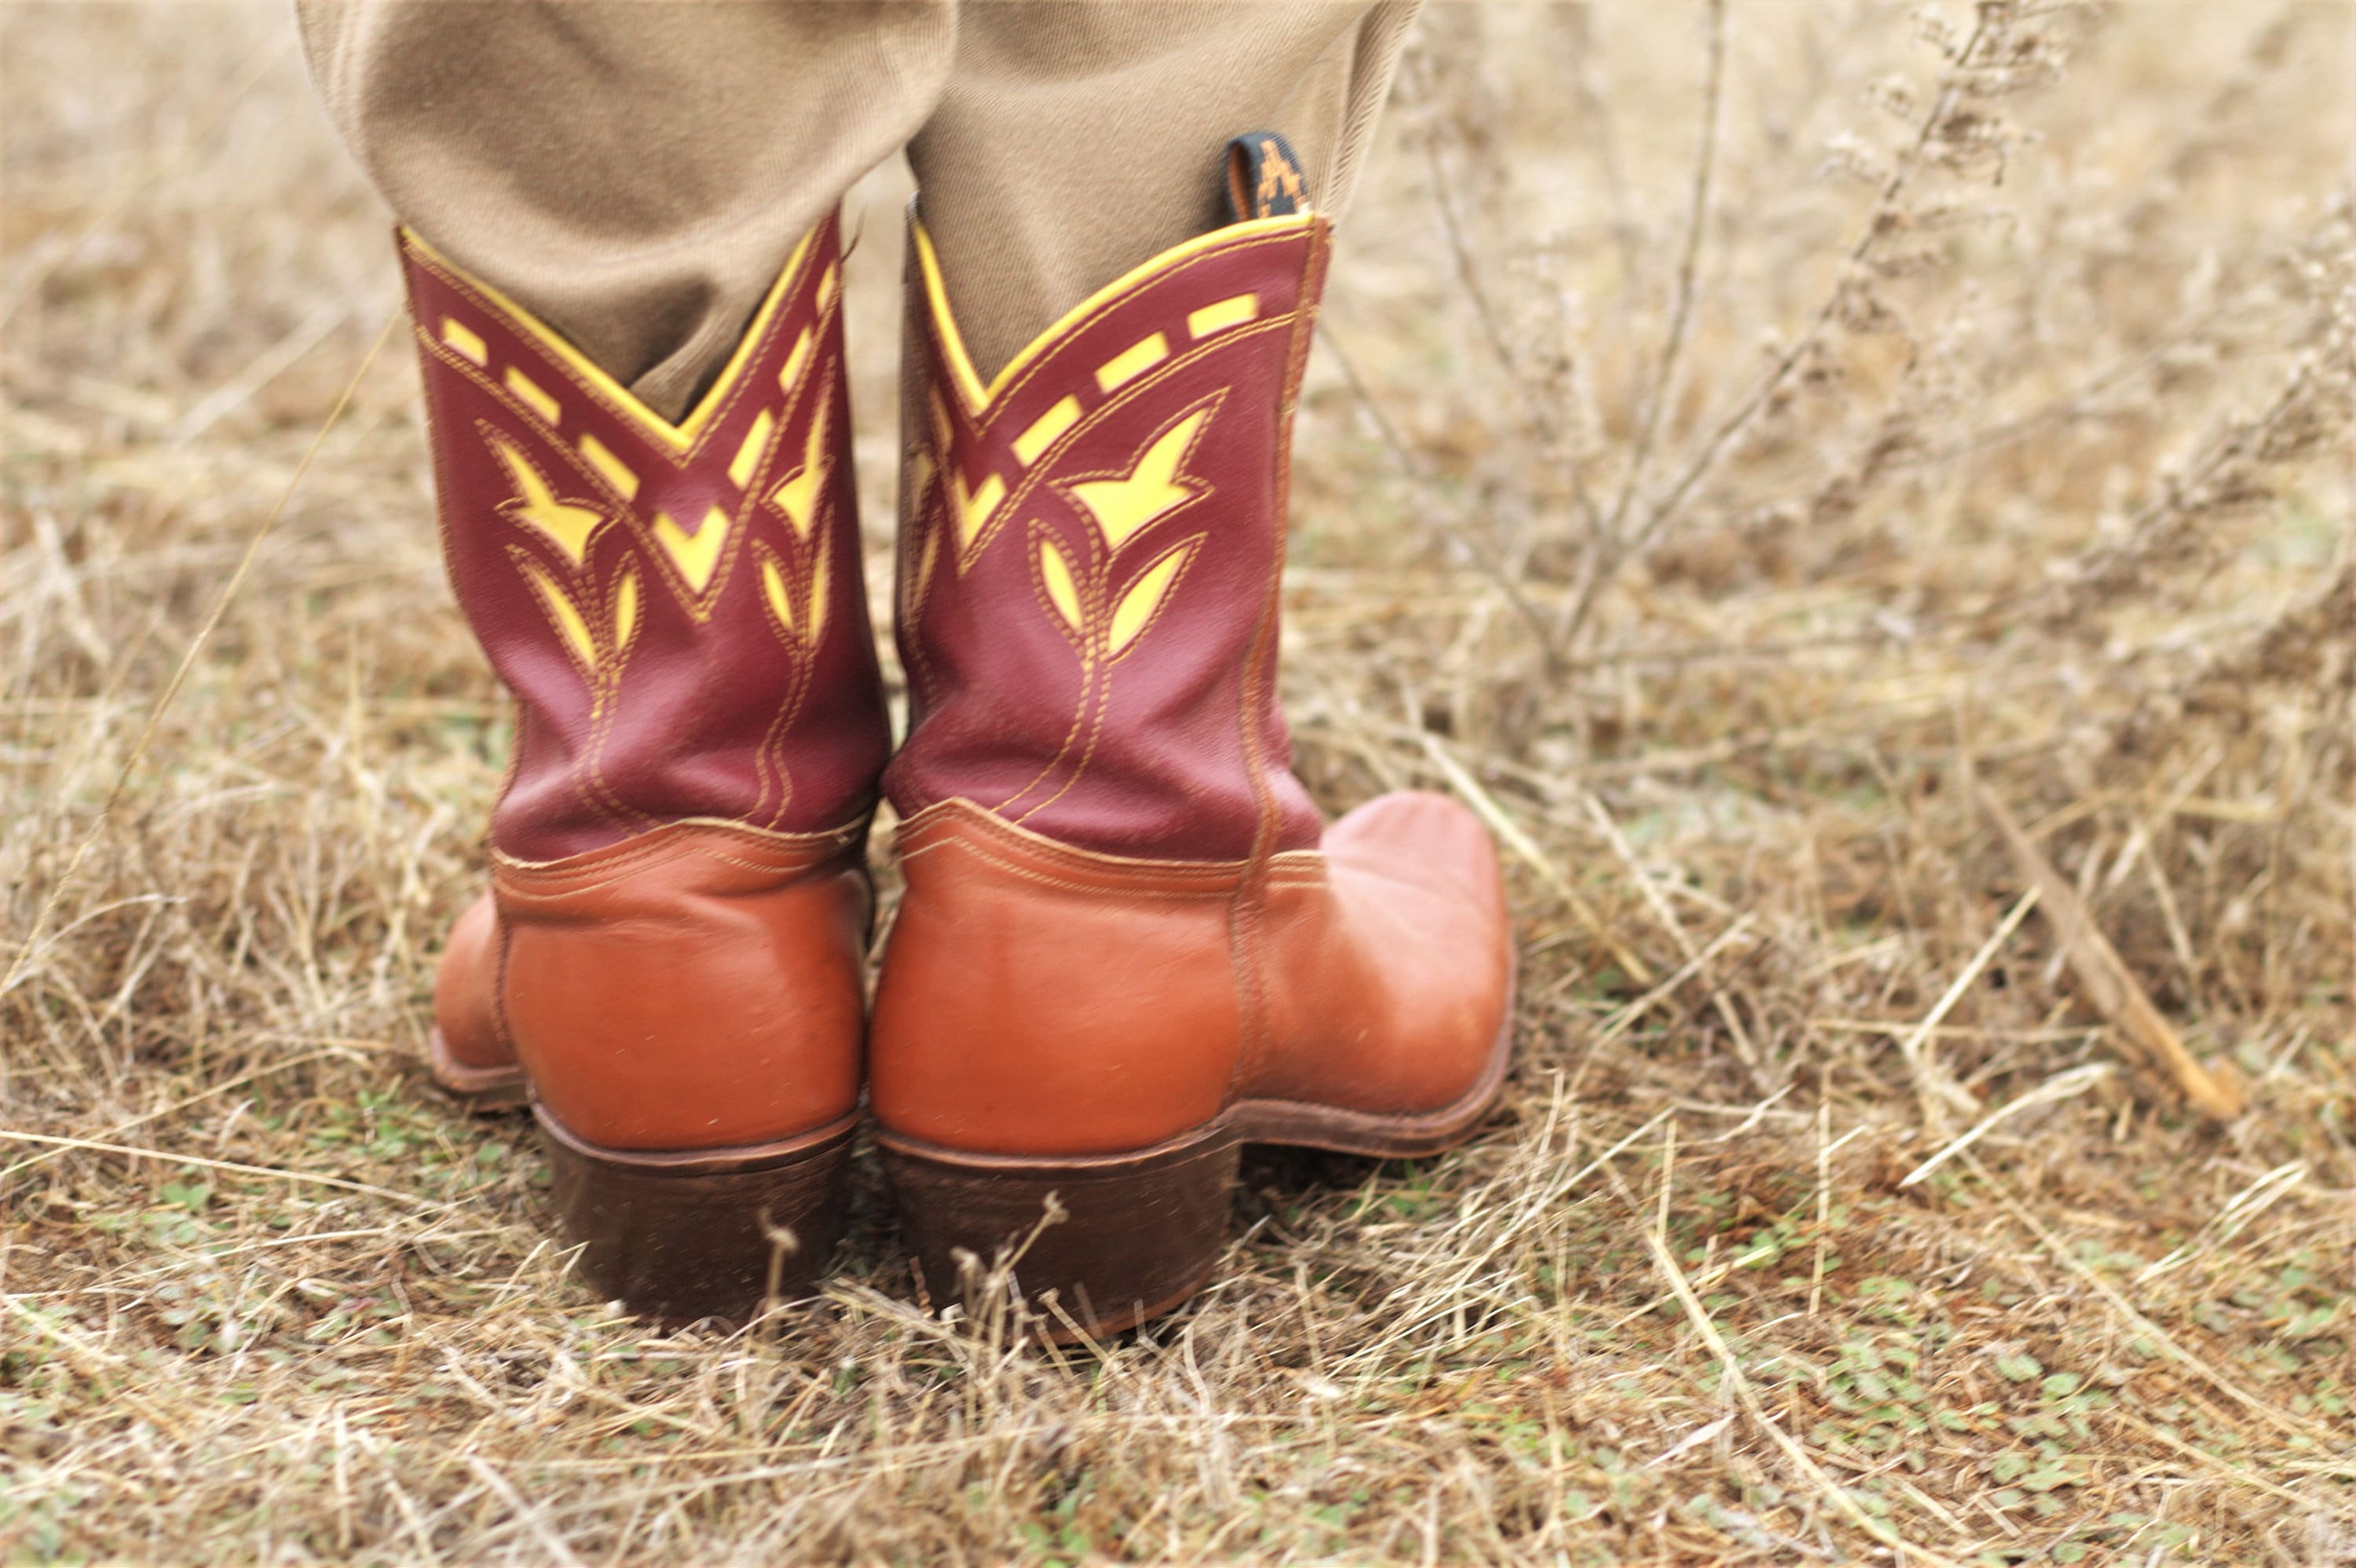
(1127, 943)
(671, 953)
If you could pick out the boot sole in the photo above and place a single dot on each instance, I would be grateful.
(478, 1091)
(699, 1234)
(1140, 1231)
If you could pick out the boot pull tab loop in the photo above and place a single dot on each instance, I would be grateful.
(1264, 178)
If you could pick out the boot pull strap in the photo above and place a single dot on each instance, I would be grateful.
(1264, 178)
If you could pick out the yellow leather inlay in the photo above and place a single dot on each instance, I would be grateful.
(1137, 606)
(626, 609)
(618, 473)
(678, 437)
(825, 285)
(1220, 315)
(773, 586)
(795, 361)
(535, 505)
(696, 555)
(533, 395)
(970, 387)
(1132, 361)
(974, 509)
(465, 340)
(817, 594)
(748, 456)
(567, 615)
(1056, 572)
(1045, 430)
(1123, 506)
(796, 494)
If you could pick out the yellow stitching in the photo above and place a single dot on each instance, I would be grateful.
(534, 395)
(1119, 647)
(1169, 263)
(1017, 498)
(556, 519)
(1040, 433)
(561, 356)
(465, 340)
(748, 461)
(1132, 361)
(671, 840)
(937, 825)
(616, 472)
(1221, 315)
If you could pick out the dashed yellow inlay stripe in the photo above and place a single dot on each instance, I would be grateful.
(826, 288)
(792, 373)
(748, 456)
(1132, 362)
(465, 340)
(1045, 430)
(617, 473)
(1222, 315)
(532, 393)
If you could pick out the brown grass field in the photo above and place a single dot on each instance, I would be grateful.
(1857, 495)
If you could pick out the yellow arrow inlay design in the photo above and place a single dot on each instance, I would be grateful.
(696, 555)
(1124, 507)
(564, 525)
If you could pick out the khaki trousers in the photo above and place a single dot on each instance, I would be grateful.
(636, 171)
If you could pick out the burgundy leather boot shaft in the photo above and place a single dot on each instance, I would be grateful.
(678, 608)
(1104, 519)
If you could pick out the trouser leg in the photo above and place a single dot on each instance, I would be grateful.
(1076, 139)
(633, 173)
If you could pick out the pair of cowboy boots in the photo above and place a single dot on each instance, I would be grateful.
(1128, 945)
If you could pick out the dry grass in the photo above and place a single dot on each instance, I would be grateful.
(1754, 441)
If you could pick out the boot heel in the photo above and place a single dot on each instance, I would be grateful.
(1116, 1238)
(700, 1233)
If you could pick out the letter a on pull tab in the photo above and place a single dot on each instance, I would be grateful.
(1264, 178)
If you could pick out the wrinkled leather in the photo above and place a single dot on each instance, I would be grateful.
(672, 945)
(1037, 1000)
(698, 987)
(1123, 920)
